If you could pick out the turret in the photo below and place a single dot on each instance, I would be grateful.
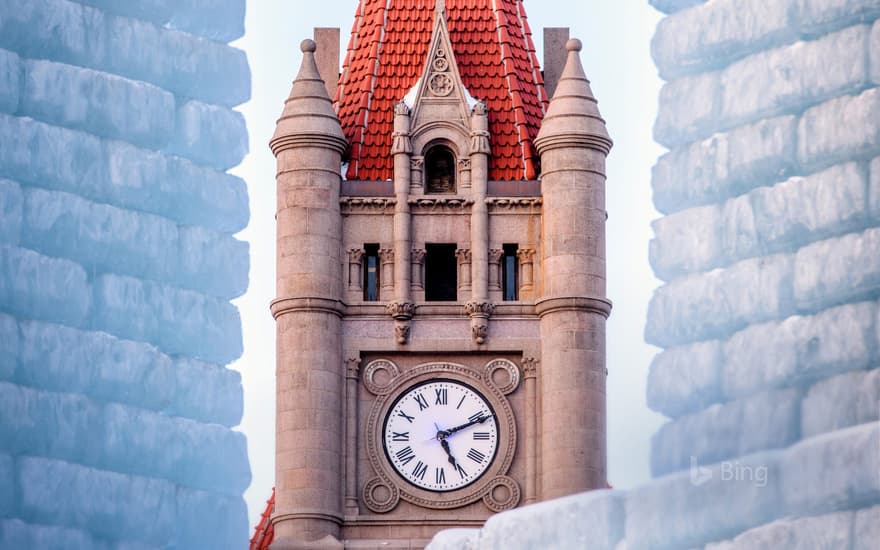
(573, 144)
(308, 144)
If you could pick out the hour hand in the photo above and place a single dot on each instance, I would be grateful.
(445, 445)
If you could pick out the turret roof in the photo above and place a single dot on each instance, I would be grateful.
(496, 57)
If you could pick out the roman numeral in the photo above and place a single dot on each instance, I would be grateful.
(404, 436)
(405, 455)
(460, 402)
(477, 417)
(404, 415)
(420, 399)
(419, 470)
(440, 476)
(481, 436)
(476, 456)
(461, 473)
(442, 396)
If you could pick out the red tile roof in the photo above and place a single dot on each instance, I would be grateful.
(264, 533)
(495, 55)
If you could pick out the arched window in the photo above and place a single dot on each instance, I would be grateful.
(439, 170)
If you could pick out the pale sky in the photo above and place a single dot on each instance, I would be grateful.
(616, 56)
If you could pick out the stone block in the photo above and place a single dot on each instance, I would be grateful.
(65, 494)
(828, 532)
(689, 109)
(211, 262)
(725, 165)
(10, 81)
(10, 347)
(840, 402)
(839, 130)
(11, 202)
(800, 350)
(39, 287)
(866, 528)
(820, 16)
(686, 242)
(100, 237)
(690, 509)
(177, 321)
(713, 34)
(99, 103)
(764, 421)
(685, 379)
(837, 270)
(791, 78)
(715, 304)
(833, 471)
(594, 519)
(801, 210)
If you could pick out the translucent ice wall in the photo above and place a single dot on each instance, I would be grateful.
(769, 313)
(117, 266)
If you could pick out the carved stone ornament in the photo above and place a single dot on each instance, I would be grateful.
(497, 491)
(479, 330)
(503, 374)
(418, 255)
(380, 375)
(401, 108)
(530, 367)
(401, 330)
(380, 496)
(401, 310)
(523, 205)
(480, 108)
(441, 82)
(367, 205)
(475, 307)
(355, 255)
(452, 205)
(352, 366)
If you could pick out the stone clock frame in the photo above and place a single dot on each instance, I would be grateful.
(497, 379)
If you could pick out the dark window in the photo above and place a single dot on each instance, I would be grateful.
(441, 282)
(371, 272)
(509, 268)
(439, 170)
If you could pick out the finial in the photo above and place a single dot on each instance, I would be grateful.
(574, 45)
(308, 45)
(440, 6)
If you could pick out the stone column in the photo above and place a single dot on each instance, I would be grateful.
(401, 148)
(573, 144)
(417, 167)
(495, 256)
(526, 257)
(418, 269)
(355, 267)
(530, 368)
(386, 260)
(352, 365)
(464, 269)
(479, 308)
(308, 144)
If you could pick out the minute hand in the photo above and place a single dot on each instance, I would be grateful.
(478, 420)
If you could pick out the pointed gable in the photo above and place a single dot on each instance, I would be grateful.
(496, 58)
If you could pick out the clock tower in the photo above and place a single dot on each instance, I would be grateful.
(441, 301)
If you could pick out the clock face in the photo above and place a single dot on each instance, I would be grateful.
(440, 435)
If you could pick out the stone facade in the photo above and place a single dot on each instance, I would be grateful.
(768, 313)
(118, 265)
(535, 352)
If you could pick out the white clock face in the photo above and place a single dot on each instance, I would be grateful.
(441, 435)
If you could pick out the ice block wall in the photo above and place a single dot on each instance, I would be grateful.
(117, 267)
(769, 311)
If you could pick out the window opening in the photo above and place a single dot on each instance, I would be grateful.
(439, 170)
(509, 269)
(371, 272)
(441, 284)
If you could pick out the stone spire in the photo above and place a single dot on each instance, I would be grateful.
(308, 112)
(573, 114)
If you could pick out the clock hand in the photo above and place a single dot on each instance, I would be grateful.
(478, 420)
(445, 445)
